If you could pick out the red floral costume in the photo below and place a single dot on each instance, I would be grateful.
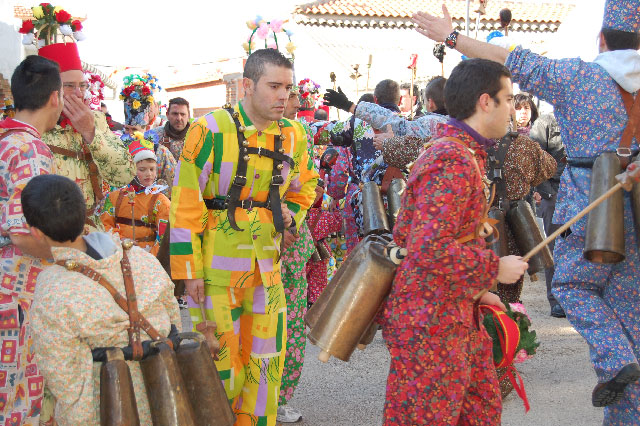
(322, 224)
(441, 364)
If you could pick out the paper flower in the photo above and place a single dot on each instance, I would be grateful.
(28, 39)
(37, 11)
(276, 25)
(263, 31)
(251, 25)
(66, 30)
(79, 36)
(62, 16)
(136, 104)
(40, 43)
(76, 25)
(27, 27)
(272, 45)
(290, 47)
(245, 46)
(150, 99)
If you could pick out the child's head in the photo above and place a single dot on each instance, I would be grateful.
(55, 205)
(147, 171)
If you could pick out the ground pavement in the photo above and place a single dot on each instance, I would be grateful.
(558, 380)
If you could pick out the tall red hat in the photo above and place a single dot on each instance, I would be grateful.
(64, 54)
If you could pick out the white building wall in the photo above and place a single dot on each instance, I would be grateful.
(11, 50)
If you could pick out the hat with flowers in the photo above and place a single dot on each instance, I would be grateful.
(138, 94)
(268, 31)
(622, 15)
(54, 32)
(141, 146)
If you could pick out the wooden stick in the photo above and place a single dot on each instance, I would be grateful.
(563, 228)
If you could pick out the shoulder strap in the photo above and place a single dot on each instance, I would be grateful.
(129, 305)
(632, 129)
(119, 202)
(83, 155)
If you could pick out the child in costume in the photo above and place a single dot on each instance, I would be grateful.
(139, 211)
(73, 314)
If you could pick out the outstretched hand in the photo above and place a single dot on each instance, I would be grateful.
(434, 27)
(337, 99)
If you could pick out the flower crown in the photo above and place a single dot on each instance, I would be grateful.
(309, 92)
(267, 31)
(47, 20)
(138, 91)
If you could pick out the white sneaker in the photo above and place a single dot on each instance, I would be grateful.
(288, 415)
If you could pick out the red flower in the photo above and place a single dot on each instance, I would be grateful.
(145, 91)
(62, 16)
(76, 25)
(27, 27)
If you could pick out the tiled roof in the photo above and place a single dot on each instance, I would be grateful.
(527, 16)
(25, 13)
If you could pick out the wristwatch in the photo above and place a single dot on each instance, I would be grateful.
(452, 40)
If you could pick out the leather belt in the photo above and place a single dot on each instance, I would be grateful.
(587, 162)
(221, 204)
(134, 222)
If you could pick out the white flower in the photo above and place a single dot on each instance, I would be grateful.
(79, 35)
(66, 30)
(27, 39)
(40, 44)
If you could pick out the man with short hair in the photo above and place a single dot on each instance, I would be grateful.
(434, 96)
(441, 368)
(37, 92)
(175, 130)
(409, 103)
(594, 107)
(84, 148)
(244, 178)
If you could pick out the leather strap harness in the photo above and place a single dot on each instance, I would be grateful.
(137, 222)
(232, 201)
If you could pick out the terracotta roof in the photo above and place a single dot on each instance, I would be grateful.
(527, 16)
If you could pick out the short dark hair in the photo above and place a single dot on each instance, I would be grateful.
(367, 97)
(33, 81)
(522, 99)
(435, 91)
(55, 205)
(469, 80)
(387, 92)
(320, 114)
(407, 87)
(254, 67)
(177, 101)
(621, 40)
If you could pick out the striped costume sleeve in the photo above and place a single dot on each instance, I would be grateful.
(302, 189)
(188, 214)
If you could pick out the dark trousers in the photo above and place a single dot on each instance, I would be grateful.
(545, 211)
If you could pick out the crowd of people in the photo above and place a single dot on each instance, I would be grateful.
(242, 216)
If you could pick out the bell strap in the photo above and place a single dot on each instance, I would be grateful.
(263, 152)
(632, 129)
(134, 222)
(240, 179)
(129, 305)
(83, 155)
(274, 187)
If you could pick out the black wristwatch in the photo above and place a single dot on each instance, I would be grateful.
(452, 40)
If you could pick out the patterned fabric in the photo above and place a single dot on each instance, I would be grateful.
(324, 224)
(223, 256)
(166, 169)
(175, 146)
(73, 314)
(379, 117)
(434, 285)
(295, 291)
(399, 151)
(338, 186)
(160, 217)
(22, 156)
(601, 300)
(462, 390)
(622, 15)
(115, 166)
(253, 333)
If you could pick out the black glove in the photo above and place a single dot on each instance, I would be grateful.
(337, 99)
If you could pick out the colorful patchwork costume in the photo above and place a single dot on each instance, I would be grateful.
(22, 155)
(241, 269)
(601, 300)
(441, 368)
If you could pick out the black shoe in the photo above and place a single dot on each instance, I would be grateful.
(610, 392)
(557, 311)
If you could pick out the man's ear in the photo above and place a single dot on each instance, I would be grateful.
(36, 233)
(55, 99)
(247, 85)
(431, 105)
(483, 102)
(602, 43)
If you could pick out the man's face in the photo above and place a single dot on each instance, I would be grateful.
(292, 107)
(269, 95)
(405, 100)
(178, 116)
(523, 115)
(74, 84)
(500, 111)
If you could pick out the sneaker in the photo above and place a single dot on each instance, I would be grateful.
(610, 392)
(182, 304)
(288, 415)
(557, 311)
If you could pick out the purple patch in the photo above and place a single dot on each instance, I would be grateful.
(261, 399)
(204, 175)
(261, 346)
(236, 326)
(259, 300)
(180, 235)
(212, 124)
(266, 265)
(226, 168)
(176, 177)
(208, 304)
(230, 263)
